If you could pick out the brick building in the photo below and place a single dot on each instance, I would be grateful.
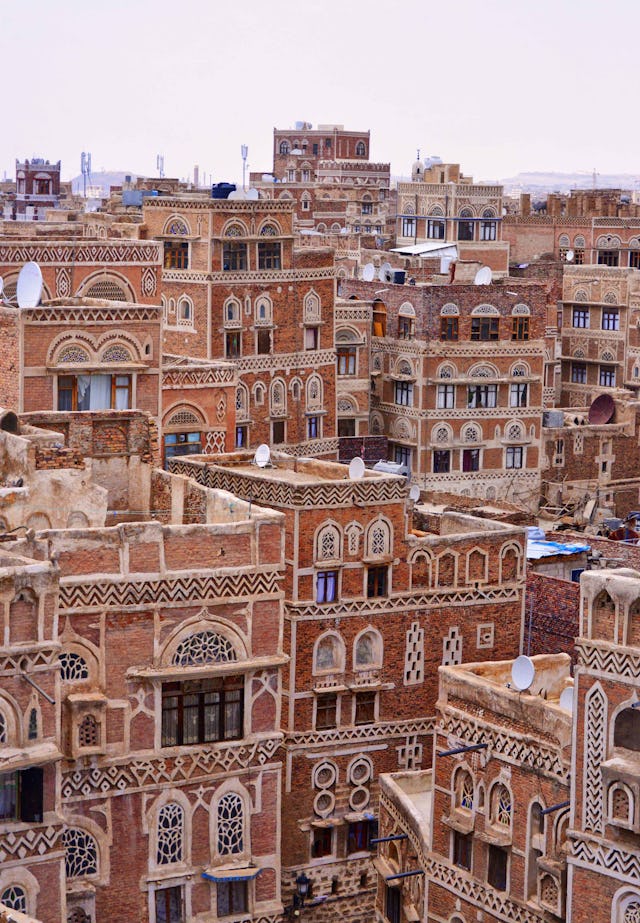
(442, 205)
(234, 287)
(457, 372)
(375, 602)
(37, 189)
(327, 173)
(140, 701)
(485, 831)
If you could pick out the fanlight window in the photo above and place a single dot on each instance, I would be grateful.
(73, 667)
(464, 790)
(170, 834)
(269, 230)
(178, 228)
(14, 897)
(116, 353)
(234, 230)
(4, 732)
(204, 647)
(81, 853)
(73, 354)
(230, 825)
(311, 307)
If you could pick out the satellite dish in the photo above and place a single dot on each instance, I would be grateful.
(602, 410)
(483, 276)
(262, 456)
(1, 287)
(253, 194)
(569, 256)
(414, 493)
(566, 699)
(522, 672)
(369, 273)
(386, 273)
(29, 288)
(356, 468)
(237, 194)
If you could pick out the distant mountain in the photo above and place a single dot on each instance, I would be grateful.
(540, 181)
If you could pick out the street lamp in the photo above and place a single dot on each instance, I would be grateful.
(302, 890)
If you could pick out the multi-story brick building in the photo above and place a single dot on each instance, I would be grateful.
(374, 603)
(327, 173)
(604, 861)
(442, 205)
(485, 831)
(234, 287)
(457, 373)
(600, 344)
(37, 189)
(140, 702)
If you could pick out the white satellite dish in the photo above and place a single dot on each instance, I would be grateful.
(414, 493)
(566, 699)
(29, 288)
(262, 456)
(357, 468)
(253, 194)
(237, 194)
(523, 672)
(483, 276)
(386, 273)
(1, 286)
(569, 256)
(368, 272)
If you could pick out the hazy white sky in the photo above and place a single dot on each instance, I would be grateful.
(497, 85)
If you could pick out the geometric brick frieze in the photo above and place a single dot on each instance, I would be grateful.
(167, 590)
(139, 773)
(287, 361)
(608, 859)
(509, 745)
(406, 601)
(29, 844)
(134, 252)
(382, 730)
(19, 661)
(85, 314)
(282, 494)
(618, 661)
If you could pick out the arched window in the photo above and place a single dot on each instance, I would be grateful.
(314, 392)
(204, 647)
(170, 845)
(263, 310)
(4, 729)
(185, 311)
(328, 656)
(230, 819)
(603, 617)
(621, 807)
(81, 853)
(463, 790)
(378, 539)
(14, 898)
(232, 312)
(278, 397)
(108, 289)
(242, 401)
(73, 354)
(328, 544)
(312, 307)
(284, 147)
(501, 806)
(626, 731)
(360, 149)
(32, 730)
(367, 650)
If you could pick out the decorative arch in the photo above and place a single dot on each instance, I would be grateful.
(466, 213)
(232, 312)
(328, 543)
(203, 647)
(176, 226)
(19, 889)
(471, 432)
(442, 434)
(486, 310)
(421, 565)
(368, 650)
(462, 788)
(436, 211)
(278, 397)
(10, 721)
(231, 823)
(314, 393)
(379, 538)
(169, 826)
(235, 227)
(258, 392)
(488, 212)
(446, 569)
(483, 370)
(110, 285)
(81, 853)
(269, 228)
(521, 310)
(312, 307)
(563, 241)
(447, 370)
(520, 370)
(181, 415)
(477, 566)
(450, 310)
(500, 805)
(264, 309)
(77, 664)
(329, 653)
(510, 562)
(603, 617)
(620, 804)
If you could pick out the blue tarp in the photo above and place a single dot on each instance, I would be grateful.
(539, 549)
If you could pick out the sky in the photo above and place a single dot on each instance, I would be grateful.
(499, 86)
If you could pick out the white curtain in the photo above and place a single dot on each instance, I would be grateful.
(100, 393)
(84, 390)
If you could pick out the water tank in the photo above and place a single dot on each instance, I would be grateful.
(399, 277)
(222, 190)
(552, 418)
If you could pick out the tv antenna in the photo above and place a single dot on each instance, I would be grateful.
(160, 165)
(85, 167)
(244, 150)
